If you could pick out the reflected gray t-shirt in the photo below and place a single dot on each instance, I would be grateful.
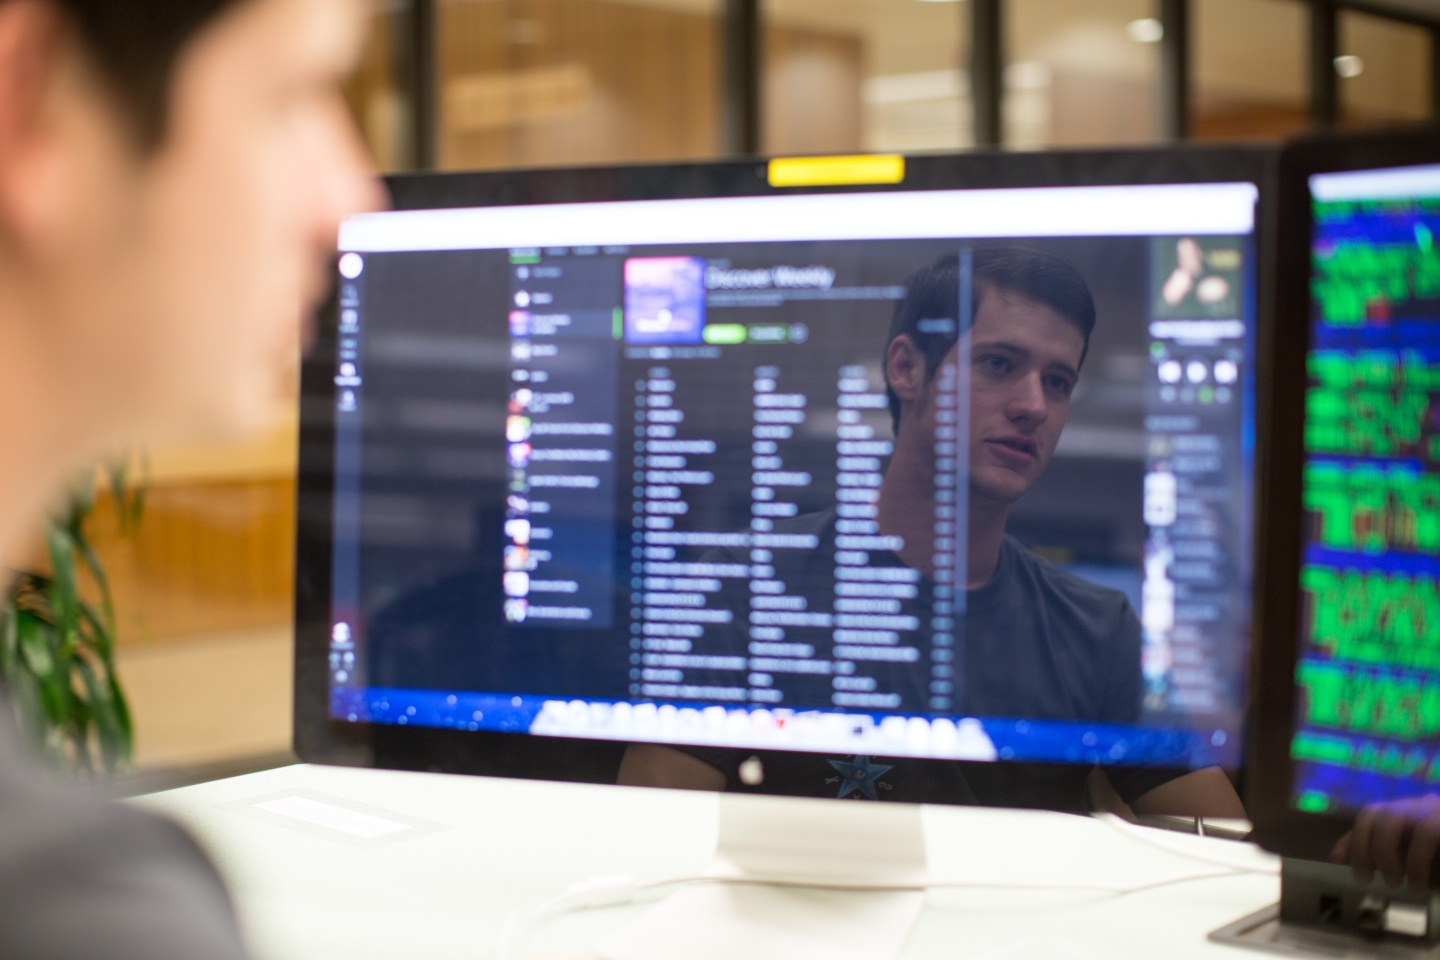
(1039, 643)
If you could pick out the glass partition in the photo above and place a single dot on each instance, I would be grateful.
(1250, 68)
(1384, 69)
(844, 75)
(1080, 73)
(560, 82)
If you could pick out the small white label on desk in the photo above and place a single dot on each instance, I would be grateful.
(336, 818)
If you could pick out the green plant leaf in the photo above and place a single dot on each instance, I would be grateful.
(78, 507)
(102, 712)
(57, 648)
(122, 717)
(35, 644)
(129, 496)
(63, 592)
(93, 566)
(97, 634)
(9, 641)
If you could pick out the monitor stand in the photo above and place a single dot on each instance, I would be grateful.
(1323, 912)
(789, 841)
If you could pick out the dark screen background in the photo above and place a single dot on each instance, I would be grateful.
(436, 368)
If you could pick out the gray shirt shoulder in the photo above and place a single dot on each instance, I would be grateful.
(81, 877)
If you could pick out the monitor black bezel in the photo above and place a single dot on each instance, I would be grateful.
(319, 739)
(1280, 827)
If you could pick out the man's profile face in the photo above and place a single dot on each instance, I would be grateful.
(1024, 363)
(201, 260)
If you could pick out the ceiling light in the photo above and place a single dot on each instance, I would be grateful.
(1148, 30)
(1027, 75)
(1349, 66)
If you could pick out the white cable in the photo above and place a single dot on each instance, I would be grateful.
(621, 889)
(603, 891)
(1150, 837)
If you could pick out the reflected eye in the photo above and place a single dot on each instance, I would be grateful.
(994, 363)
(1060, 385)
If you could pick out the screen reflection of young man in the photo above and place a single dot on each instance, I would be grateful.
(1039, 643)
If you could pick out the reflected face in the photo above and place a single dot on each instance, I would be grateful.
(1024, 363)
(203, 260)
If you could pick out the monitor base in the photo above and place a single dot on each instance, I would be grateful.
(1323, 912)
(792, 843)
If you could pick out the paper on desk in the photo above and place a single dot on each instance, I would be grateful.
(727, 921)
(333, 816)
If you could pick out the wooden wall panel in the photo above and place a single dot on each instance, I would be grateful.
(560, 82)
(812, 92)
(208, 557)
(1088, 109)
(1248, 120)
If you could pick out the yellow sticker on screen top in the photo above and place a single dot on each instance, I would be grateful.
(865, 168)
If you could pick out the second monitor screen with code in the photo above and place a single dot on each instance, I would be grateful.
(1367, 725)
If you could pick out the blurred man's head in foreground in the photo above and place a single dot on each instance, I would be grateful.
(172, 176)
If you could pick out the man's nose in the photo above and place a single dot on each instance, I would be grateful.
(1026, 403)
(352, 185)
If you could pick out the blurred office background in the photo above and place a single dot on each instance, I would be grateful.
(203, 588)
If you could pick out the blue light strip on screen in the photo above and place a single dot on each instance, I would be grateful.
(1346, 787)
(1414, 335)
(1403, 464)
(1406, 564)
(1039, 741)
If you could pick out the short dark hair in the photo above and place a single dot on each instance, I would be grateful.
(135, 44)
(929, 312)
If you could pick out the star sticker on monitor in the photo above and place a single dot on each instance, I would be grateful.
(860, 775)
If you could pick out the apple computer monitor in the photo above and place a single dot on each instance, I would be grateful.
(593, 458)
(1348, 679)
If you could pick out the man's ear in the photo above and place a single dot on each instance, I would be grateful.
(36, 43)
(905, 370)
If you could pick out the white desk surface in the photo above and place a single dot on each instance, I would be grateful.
(476, 848)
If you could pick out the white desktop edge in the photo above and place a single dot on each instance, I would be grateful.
(486, 848)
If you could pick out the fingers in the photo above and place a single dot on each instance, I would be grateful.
(1360, 837)
(1388, 842)
(1424, 841)
(1399, 839)
(1341, 851)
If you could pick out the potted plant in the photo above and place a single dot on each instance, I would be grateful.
(57, 641)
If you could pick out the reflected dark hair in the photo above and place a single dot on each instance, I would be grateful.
(135, 44)
(929, 313)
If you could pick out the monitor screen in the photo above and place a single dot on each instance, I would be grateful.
(945, 474)
(1367, 679)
